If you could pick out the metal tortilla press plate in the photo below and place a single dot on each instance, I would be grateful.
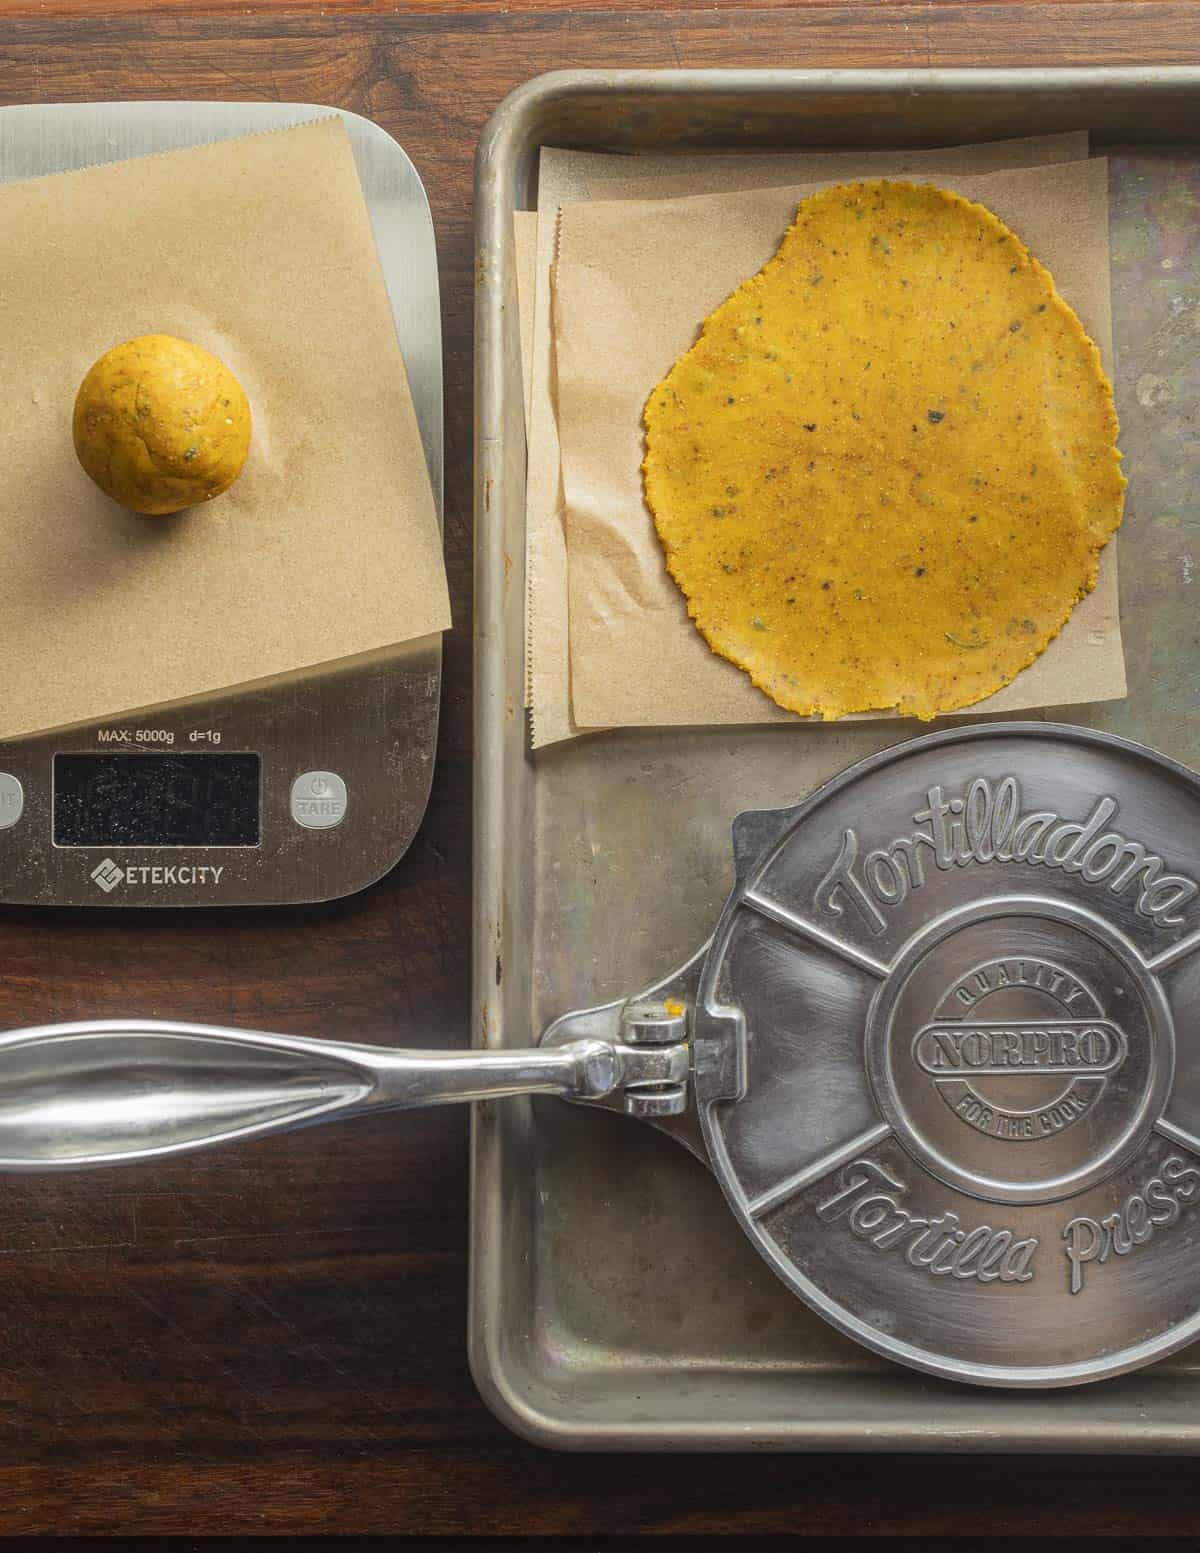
(941, 1053)
(946, 1059)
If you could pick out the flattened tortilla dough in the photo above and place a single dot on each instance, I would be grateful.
(884, 473)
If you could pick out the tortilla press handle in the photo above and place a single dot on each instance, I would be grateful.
(108, 1092)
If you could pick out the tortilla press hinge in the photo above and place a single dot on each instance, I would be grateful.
(667, 1050)
(650, 1037)
(647, 1058)
(657, 1034)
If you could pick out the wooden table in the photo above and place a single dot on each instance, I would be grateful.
(270, 1339)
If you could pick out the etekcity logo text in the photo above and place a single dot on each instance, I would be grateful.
(108, 875)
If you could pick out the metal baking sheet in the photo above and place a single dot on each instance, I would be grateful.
(615, 1303)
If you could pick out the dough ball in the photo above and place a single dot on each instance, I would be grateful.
(161, 424)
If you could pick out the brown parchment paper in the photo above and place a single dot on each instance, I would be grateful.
(525, 250)
(568, 177)
(327, 547)
(633, 283)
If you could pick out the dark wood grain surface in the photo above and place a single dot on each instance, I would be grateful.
(270, 1339)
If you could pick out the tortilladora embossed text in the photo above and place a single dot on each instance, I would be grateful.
(987, 826)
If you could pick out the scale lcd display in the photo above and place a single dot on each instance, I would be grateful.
(156, 800)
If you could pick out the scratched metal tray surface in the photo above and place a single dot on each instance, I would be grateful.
(616, 1304)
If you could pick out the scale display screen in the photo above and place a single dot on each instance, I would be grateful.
(153, 800)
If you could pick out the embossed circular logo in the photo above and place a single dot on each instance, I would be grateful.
(1019, 1049)
(978, 1050)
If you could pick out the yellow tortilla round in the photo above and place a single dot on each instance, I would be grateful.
(883, 474)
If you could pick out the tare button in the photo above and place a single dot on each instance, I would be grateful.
(12, 800)
(318, 800)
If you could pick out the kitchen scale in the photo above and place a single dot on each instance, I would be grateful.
(288, 791)
(941, 1053)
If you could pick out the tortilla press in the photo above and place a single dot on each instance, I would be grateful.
(940, 1054)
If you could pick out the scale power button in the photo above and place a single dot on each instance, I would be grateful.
(12, 800)
(318, 800)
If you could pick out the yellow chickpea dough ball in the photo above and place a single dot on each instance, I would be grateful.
(161, 424)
